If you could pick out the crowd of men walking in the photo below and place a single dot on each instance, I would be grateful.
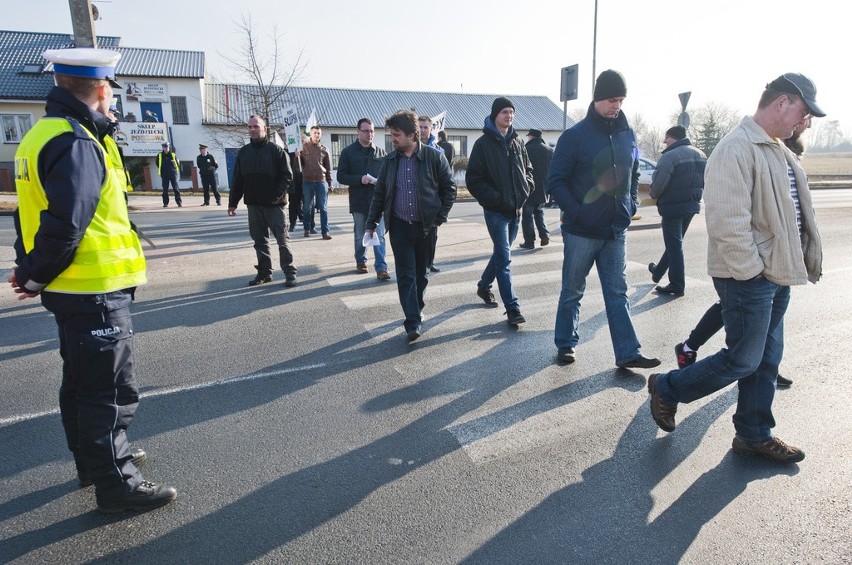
(78, 252)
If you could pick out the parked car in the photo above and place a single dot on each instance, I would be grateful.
(646, 170)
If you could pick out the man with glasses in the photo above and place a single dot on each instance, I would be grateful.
(358, 168)
(762, 239)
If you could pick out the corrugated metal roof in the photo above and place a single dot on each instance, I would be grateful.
(160, 63)
(343, 107)
(19, 48)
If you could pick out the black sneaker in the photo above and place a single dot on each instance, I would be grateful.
(146, 496)
(412, 335)
(653, 267)
(545, 241)
(487, 296)
(290, 283)
(138, 456)
(774, 449)
(260, 280)
(662, 412)
(527, 245)
(514, 317)
(684, 358)
(566, 354)
(783, 382)
(641, 362)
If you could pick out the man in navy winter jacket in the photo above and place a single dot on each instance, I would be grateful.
(594, 178)
(677, 185)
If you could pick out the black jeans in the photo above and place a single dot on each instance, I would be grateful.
(710, 323)
(411, 247)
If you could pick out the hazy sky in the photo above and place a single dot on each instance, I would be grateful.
(724, 51)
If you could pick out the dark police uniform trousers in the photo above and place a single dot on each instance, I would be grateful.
(98, 396)
(208, 181)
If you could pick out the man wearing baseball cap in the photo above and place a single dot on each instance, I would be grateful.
(762, 239)
(76, 249)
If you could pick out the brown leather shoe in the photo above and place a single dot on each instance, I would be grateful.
(382, 275)
(774, 449)
(361, 268)
(662, 412)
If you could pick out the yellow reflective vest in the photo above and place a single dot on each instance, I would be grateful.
(109, 256)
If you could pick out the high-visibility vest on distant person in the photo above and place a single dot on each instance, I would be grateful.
(109, 256)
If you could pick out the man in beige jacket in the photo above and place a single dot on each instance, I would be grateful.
(762, 239)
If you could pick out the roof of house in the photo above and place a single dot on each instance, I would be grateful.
(23, 48)
(343, 107)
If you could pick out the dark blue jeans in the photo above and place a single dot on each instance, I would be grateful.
(753, 312)
(674, 228)
(98, 396)
(503, 232)
(410, 246)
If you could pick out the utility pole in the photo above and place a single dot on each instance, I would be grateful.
(595, 50)
(82, 23)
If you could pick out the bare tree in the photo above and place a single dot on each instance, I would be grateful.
(649, 139)
(824, 135)
(263, 80)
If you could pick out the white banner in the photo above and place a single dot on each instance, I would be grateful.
(141, 139)
(439, 122)
(147, 91)
(291, 129)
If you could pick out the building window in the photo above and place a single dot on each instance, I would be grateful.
(186, 169)
(340, 141)
(388, 143)
(179, 114)
(15, 126)
(459, 143)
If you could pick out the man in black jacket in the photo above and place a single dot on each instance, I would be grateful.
(207, 166)
(414, 194)
(358, 168)
(500, 177)
(262, 174)
(678, 185)
(533, 214)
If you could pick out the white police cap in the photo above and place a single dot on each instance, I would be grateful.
(85, 62)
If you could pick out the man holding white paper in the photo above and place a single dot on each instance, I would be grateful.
(358, 168)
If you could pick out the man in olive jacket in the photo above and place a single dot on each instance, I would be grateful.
(414, 194)
(500, 177)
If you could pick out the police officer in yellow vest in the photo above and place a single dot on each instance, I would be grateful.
(167, 166)
(76, 250)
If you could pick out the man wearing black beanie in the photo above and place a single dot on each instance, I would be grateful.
(499, 103)
(500, 176)
(594, 177)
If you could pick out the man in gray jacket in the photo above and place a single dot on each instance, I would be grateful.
(762, 239)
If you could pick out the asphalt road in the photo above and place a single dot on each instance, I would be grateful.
(299, 427)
